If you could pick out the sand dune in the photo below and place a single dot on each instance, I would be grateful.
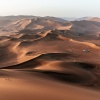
(37, 44)
(42, 23)
(95, 19)
(52, 65)
(37, 23)
(29, 85)
(50, 71)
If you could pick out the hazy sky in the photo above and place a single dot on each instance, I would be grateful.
(60, 8)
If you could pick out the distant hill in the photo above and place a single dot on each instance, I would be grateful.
(16, 17)
(56, 19)
(69, 18)
(86, 25)
(96, 19)
(83, 18)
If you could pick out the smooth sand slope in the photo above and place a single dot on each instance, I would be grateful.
(23, 85)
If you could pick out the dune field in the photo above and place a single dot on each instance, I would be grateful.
(48, 58)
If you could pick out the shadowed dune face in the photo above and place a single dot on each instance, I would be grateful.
(7, 56)
(48, 54)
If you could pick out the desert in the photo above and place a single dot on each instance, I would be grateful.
(49, 58)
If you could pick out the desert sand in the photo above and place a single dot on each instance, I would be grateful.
(30, 85)
(44, 59)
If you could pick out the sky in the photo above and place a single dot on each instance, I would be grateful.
(57, 8)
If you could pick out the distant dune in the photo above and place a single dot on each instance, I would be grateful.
(96, 19)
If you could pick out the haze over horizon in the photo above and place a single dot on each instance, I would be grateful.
(57, 8)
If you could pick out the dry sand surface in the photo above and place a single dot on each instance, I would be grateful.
(28, 85)
(47, 65)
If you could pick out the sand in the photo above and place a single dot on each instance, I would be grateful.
(47, 64)
(26, 85)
